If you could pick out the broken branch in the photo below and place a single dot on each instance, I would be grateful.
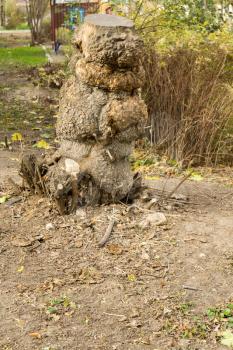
(107, 234)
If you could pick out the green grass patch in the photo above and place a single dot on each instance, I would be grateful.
(22, 57)
(22, 26)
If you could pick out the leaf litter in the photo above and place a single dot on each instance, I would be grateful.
(67, 289)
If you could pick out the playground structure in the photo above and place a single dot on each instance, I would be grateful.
(69, 14)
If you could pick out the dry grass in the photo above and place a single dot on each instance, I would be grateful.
(190, 105)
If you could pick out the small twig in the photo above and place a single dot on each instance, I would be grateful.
(43, 186)
(227, 195)
(134, 206)
(110, 156)
(60, 200)
(6, 142)
(107, 234)
(75, 193)
(152, 202)
(116, 315)
(32, 176)
(165, 183)
(138, 11)
(13, 201)
(192, 288)
(178, 186)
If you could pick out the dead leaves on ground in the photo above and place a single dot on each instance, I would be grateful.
(90, 275)
(227, 339)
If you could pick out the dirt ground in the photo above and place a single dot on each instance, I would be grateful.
(14, 38)
(149, 287)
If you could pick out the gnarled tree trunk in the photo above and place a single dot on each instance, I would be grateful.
(101, 115)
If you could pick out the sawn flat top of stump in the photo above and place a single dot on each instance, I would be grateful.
(103, 20)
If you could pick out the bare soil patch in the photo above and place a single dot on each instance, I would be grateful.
(149, 287)
(26, 108)
(143, 290)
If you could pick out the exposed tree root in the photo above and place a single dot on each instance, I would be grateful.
(68, 191)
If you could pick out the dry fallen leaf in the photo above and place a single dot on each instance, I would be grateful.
(17, 137)
(3, 199)
(55, 317)
(115, 249)
(196, 177)
(21, 242)
(20, 323)
(35, 335)
(132, 278)
(227, 339)
(20, 269)
(90, 275)
(42, 144)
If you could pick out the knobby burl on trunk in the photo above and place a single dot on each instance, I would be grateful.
(101, 114)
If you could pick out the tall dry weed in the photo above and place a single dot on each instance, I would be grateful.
(190, 105)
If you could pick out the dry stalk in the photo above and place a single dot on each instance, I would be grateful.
(189, 104)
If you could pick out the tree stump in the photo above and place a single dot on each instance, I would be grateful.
(101, 114)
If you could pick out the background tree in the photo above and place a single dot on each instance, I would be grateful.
(196, 14)
(14, 14)
(2, 13)
(36, 10)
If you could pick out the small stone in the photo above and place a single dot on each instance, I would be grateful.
(135, 324)
(123, 319)
(167, 311)
(156, 219)
(168, 207)
(78, 244)
(151, 203)
(203, 240)
(39, 237)
(134, 313)
(81, 214)
(13, 201)
(146, 341)
(145, 256)
(49, 226)
(41, 200)
(71, 166)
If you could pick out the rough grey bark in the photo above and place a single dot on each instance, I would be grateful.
(101, 114)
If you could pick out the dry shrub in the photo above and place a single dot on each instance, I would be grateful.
(46, 29)
(15, 14)
(190, 105)
(64, 35)
(50, 75)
